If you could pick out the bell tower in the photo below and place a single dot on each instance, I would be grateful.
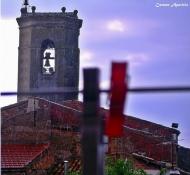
(48, 53)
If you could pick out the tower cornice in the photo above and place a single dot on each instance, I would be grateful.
(47, 19)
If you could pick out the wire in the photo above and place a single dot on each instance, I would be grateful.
(167, 89)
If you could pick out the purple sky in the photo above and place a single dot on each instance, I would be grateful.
(155, 41)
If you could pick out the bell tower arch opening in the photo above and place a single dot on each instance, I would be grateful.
(48, 57)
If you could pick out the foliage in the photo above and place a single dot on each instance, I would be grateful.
(118, 167)
(163, 171)
(121, 167)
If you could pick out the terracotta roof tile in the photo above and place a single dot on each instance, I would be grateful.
(18, 156)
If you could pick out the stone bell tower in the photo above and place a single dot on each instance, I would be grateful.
(48, 53)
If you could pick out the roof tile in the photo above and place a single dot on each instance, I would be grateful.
(19, 156)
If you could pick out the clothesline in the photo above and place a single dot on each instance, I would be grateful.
(158, 89)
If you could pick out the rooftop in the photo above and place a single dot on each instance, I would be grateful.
(18, 156)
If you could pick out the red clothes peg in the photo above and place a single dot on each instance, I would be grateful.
(115, 120)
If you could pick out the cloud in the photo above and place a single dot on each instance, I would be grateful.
(109, 29)
(116, 26)
(104, 29)
(86, 58)
(9, 59)
(137, 59)
(86, 61)
(9, 54)
(86, 55)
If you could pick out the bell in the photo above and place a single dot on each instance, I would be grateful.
(51, 71)
(47, 64)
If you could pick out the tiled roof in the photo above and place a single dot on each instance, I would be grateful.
(68, 110)
(130, 121)
(73, 166)
(19, 156)
(78, 105)
(141, 135)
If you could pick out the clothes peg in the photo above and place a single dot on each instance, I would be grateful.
(115, 120)
(91, 125)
